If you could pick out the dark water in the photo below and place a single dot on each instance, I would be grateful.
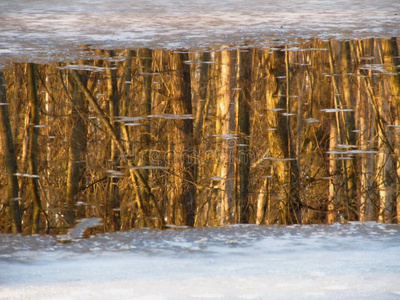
(305, 132)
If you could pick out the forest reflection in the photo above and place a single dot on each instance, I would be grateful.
(301, 133)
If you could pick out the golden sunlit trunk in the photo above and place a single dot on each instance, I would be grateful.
(182, 195)
(225, 130)
(333, 168)
(386, 171)
(390, 55)
(10, 159)
(33, 146)
(113, 100)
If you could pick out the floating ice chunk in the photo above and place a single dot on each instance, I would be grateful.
(26, 175)
(85, 68)
(278, 158)
(149, 73)
(192, 62)
(291, 49)
(226, 136)
(128, 119)
(172, 116)
(334, 110)
(115, 173)
(346, 146)
(312, 120)
(373, 67)
(362, 152)
(149, 168)
(116, 59)
(355, 151)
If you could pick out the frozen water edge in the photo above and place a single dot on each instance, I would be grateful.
(44, 30)
(353, 261)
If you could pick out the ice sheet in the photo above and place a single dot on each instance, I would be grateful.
(352, 261)
(43, 30)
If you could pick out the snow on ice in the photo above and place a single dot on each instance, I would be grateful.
(44, 30)
(350, 261)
